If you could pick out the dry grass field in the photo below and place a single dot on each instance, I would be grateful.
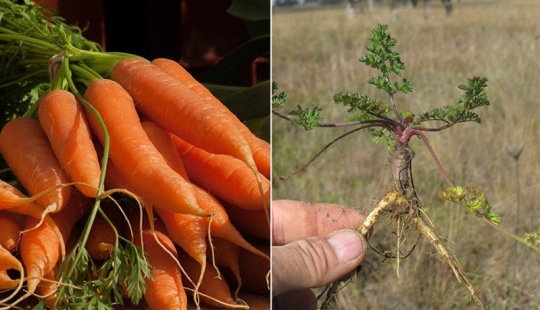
(315, 54)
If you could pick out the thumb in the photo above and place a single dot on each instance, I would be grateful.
(316, 261)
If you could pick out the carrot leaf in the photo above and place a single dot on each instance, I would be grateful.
(307, 117)
(91, 287)
(32, 41)
(474, 96)
(278, 100)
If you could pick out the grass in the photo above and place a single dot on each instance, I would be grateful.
(315, 53)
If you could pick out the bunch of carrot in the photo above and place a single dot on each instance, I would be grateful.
(171, 146)
(123, 156)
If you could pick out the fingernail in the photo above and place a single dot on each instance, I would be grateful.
(347, 244)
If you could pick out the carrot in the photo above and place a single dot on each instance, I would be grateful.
(11, 197)
(9, 234)
(189, 232)
(7, 262)
(186, 231)
(47, 288)
(62, 118)
(248, 222)
(224, 176)
(66, 219)
(259, 148)
(214, 290)
(6, 282)
(40, 246)
(133, 153)
(14, 201)
(220, 225)
(165, 145)
(227, 255)
(115, 180)
(181, 226)
(165, 290)
(29, 154)
(40, 251)
(170, 104)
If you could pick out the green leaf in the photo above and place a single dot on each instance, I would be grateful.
(307, 117)
(362, 103)
(245, 102)
(260, 127)
(254, 10)
(382, 56)
(249, 104)
(404, 87)
(382, 83)
(460, 112)
(240, 59)
(278, 101)
(473, 199)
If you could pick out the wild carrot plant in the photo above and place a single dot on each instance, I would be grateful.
(395, 127)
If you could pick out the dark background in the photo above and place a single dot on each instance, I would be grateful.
(197, 33)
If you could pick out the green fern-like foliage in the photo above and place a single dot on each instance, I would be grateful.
(474, 97)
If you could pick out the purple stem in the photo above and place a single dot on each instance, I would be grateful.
(394, 107)
(413, 132)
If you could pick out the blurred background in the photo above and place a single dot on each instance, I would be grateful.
(183, 30)
(315, 50)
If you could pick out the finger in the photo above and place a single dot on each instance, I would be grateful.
(316, 261)
(296, 300)
(295, 220)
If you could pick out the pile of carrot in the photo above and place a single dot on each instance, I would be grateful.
(172, 170)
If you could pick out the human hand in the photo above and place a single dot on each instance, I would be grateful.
(313, 246)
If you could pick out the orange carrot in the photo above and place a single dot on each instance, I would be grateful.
(214, 290)
(259, 148)
(7, 262)
(224, 176)
(11, 197)
(170, 104)
(6, 282)
(133, 153)
(40, 251)
(9, 232)
(165, 290)
(220, 225)
(77, 207)
(114, 180)
(63, 120)
(14, 201)
(180, 226)
(227, 255)
(29, 154)
(252, 223)
(41, 247)
(189, 232)
(48, 287)
(165, 145)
